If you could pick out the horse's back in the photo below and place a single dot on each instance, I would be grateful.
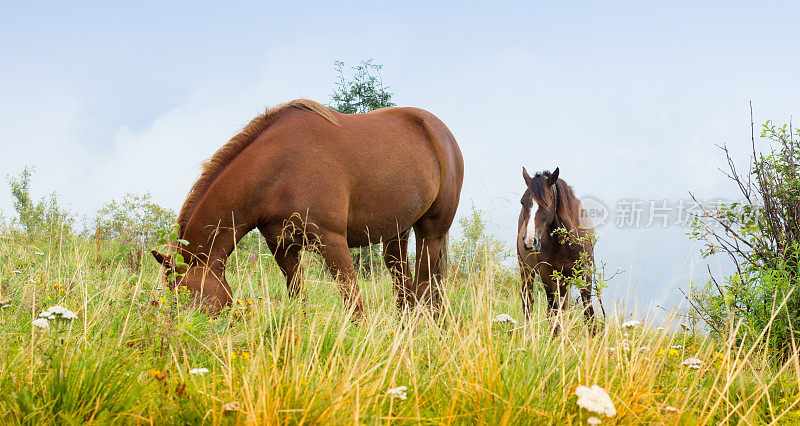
(380, 170)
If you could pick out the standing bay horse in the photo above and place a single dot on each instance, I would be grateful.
(303, 174)
(547, 205)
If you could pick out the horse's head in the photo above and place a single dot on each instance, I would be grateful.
(539, 203)
(206, 284)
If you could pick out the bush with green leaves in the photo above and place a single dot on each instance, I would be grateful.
(134, 218)
(478, 253)
(761, 235)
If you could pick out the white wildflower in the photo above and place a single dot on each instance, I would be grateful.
(58, 312)
(593, 421)
(198, 371)
(39, 253)
(692, 362)
(631, 323)
(231, 406)
(596, 400)
(670, 409)
(398, 392)
(504, 318)
(41, 323)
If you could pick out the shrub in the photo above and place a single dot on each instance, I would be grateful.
(135, 218)
(762, 237)
(478, 253)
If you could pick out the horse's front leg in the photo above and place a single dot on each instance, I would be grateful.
(588, 308)
(288, 260)
(555, 300)
(337, 257)
(527, 291)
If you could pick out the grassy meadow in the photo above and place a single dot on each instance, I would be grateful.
(136, 353)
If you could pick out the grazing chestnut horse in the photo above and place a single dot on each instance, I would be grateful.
(548, 204)
(304, 174)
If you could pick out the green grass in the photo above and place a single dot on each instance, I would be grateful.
(127, 356)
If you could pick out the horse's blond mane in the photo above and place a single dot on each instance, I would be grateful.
(236, 145)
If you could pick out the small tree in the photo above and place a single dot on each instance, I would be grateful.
(41, 216)
(362, 92)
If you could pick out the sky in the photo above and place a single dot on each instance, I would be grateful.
(628, 99)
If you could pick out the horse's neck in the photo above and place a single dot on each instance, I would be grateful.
(212, 244)
(567, 222)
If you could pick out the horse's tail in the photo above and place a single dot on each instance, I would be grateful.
(442, 266)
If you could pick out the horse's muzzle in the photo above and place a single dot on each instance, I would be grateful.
(533, 247)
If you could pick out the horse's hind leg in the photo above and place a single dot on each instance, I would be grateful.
(337, 256)
(395, 256)
(426, 280)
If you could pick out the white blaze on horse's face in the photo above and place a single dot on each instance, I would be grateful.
(530, 241)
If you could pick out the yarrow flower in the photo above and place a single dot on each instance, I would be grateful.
(198, 371)
(631, 323)
(593, 421)
(58, 312)
(41, 323)
(398, 392)
(504, 318)
(692, 363)
(231, 406)
(596, 400)
(624, 345)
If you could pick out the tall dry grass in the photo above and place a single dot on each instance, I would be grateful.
(128, 356)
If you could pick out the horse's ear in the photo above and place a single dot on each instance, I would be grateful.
(553, 178)
(164, 259)
(526, 176)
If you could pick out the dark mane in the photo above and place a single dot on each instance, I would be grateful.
(236, 145)
(567, 204)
